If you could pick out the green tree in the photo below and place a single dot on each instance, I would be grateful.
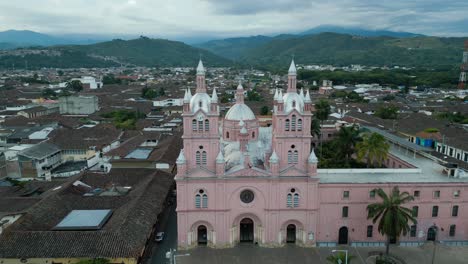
(161, 91)
(74, 85)
(225, 97)
(392, 217)
(339, 258)
(347, 139)
(374, 148)
(110, 79)
(49, 93)
(265, 110)
(60, 73)
(315, 128)
(148, 93)
(253, 95)
(387, 112)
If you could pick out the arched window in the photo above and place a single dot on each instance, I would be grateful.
(295, 156)
(200, 104)
(194, 125)
(204, 203)
(203, 158)
(294, 104)
(287, 125)
(198, 158)
(299, 125)
(253, 134)
(227, 134)
(200, 125)
(198, 201)
(296, 200)
(293, 123)
(290, 157)
(292, 199)
(289, 200)
(207, 125)
(201, 199)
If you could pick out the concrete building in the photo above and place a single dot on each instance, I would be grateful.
(90, 82)
(38, 111)
(79, 105)
(39, 160)
(239, 182)
(168, 102)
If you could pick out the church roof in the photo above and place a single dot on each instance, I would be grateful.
(200, 68)
(240, 112)
(293, 101)
(200, 101)
(292, 68)
(274, 157)
(312, 157)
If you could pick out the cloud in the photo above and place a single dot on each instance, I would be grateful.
(226, 18)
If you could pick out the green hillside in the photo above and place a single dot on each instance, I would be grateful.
(139, 52)
(234, 48)
(342, 49)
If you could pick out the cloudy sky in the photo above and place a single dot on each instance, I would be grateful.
(227, 18)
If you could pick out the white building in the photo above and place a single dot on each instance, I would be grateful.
(169, 102)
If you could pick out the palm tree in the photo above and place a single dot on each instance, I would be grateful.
(393, 218)
(340, 256)
(315, 128)
(374, 148)
(347, 139)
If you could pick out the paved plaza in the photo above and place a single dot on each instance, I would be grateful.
(253, 254)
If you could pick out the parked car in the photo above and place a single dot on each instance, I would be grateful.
(159, 237)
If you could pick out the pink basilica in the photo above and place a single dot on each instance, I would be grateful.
(238, 182)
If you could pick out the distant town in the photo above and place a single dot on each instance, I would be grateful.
(106, 143)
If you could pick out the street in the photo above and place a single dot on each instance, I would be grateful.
(167, 224)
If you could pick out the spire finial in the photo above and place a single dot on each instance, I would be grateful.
(200, 67)
(292, 68)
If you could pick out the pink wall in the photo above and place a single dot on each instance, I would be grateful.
(319, 212)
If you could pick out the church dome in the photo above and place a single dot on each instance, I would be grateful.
(240, 112)
(200, 101)
(293, 101)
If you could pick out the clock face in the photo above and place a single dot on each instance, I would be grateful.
(200, 117)
(247, 196)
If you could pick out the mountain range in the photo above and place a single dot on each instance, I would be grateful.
(142, 51)
(366, 47)
(26, 38)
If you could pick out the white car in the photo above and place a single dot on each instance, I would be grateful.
(159, 237)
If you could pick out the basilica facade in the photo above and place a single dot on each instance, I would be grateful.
(238, 182)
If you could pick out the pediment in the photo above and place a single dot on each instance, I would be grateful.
(246, 172)
(293, 171)
(201, 172)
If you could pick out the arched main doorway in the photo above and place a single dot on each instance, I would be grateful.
(343, 235)
(431, 234)
(291, 233)
(246, 230)
(202, 235)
